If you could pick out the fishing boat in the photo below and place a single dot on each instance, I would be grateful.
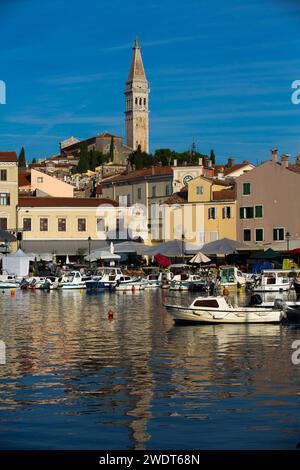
(131, 285)
(218, 310)
(49, 283)
(108, 279)
(72, 280)
(231, 276)
(274, 280)
(291, 307)
(9, 281)
(185, 281)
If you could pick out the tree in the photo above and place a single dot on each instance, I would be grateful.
(34, 160)
(140, 159)
(84, 163)
(212, 157)
(22, 158)
(111, 150)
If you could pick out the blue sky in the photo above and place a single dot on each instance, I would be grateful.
(219, 71)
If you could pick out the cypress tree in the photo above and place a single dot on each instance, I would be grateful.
(83, 164)
(212, 157)
(22, 159)
(111, 150)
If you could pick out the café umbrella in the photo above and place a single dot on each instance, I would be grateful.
(199, 258)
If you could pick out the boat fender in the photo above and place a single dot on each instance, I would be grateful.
(12, 292)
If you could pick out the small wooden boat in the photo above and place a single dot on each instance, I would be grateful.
(218, 310)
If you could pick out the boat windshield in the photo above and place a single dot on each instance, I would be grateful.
(212, 303)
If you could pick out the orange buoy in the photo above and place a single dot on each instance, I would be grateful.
(110, 314)
(133, 289)
(12, 292)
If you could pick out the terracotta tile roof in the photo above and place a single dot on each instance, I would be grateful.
(236, 167)
(8, 157)
(24, 178)
(224, 195)
(107, 134)
(142, 174)
(175, 199)
(64, 202)
(295, 168)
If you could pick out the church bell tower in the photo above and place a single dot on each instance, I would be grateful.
(136, 96)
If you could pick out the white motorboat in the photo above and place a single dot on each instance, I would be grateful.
(230, 276)
(9, 281)
(131, 285)
(48, 283)
(274, 280)
(73, 280)
(107, 280)
(185, 281)
(218, 310)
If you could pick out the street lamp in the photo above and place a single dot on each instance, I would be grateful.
(288, 236)
(182, 245)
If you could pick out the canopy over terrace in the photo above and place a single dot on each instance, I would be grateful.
(172, 249)
(224, 246)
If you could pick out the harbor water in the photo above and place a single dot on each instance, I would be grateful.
(75, 379)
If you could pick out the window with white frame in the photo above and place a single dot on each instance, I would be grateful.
(199, 190)
(226, 212)
(278, 234)
(4, 199)
(212, 212)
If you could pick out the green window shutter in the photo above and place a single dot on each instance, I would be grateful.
(241, 213)
(258, 211)
(249, 212)
(281, 234)
(246, 189)
(259, 235)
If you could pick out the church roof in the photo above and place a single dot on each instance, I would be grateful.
(136, 71)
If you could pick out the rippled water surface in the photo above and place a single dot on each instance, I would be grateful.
(74, 379)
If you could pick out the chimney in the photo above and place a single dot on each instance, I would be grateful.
(209, 164)
(205, 162)
(285, 161)
(152, 170)
(274, 153)
(297, 160)
(200, 161)
(175, 162)
(230, 162)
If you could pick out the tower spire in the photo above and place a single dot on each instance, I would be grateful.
(137, 93)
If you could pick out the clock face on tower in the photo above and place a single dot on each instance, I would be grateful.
(186, 179)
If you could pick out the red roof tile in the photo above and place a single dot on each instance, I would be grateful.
(142, 174)
(64, 202)
(24, 178)
(8, 157)
(224, 195)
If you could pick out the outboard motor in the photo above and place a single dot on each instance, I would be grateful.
(255, 299)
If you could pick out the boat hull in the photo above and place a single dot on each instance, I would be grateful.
(253, 315)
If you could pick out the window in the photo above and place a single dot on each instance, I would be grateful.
(3, 223)
(278, 234)
(213, 236)
(27, 224)
(140, 101)
(247, 235)
(258, 211)
(212, 213)
(3, 175)
(246, 189)
(246, 212)
(101, 224)
(259, 234)
(199, 190)
(81, 225)
(43, 225)
(139, 193)
(153, 191)
(4, 199)
(201, 237)
(40, 179)
(211, 303)
(136, 101)
(62, 225)
(120, 226)
(226, 212)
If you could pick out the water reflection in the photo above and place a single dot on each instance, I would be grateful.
(74, 379)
